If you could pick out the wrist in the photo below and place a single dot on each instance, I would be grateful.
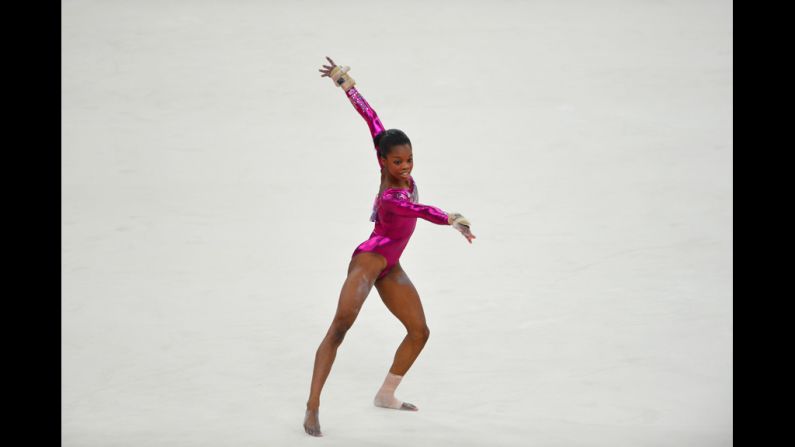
(457, 220)
(451, 217)
(339, 75)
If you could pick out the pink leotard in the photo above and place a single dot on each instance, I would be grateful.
(395, 210)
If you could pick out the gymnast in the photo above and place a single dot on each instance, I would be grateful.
(376, 261)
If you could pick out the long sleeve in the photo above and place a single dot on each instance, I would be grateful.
(398, 202)
(369, 115)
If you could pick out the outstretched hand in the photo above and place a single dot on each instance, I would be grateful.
(461, 224)
(464, 229)
(326, 70)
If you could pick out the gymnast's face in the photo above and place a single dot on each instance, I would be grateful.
(399, 161)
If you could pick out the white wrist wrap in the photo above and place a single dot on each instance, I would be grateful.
(339, 74)
(457, 221)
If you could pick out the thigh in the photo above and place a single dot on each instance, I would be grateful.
(362, 272)
(401, 298)
(367, 261)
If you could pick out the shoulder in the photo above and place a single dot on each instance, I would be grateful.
(393, 194)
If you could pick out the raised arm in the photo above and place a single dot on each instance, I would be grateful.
(340, 77)
(398, 202)
(363, 107)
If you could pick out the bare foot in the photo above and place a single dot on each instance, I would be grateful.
(312, 423)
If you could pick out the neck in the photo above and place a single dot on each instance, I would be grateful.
(392, 182)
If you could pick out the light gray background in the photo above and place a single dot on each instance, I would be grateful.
(214, 187)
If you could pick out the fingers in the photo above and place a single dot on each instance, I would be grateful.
(327, 69)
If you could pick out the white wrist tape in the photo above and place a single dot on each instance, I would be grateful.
(458, 221)
(339, 74)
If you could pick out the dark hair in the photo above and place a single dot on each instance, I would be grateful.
(387, 139)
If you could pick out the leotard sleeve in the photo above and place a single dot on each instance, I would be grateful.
(398, 202)
(369, 115)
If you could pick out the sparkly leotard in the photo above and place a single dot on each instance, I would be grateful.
(395, 210)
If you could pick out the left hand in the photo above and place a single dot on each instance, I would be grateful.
(460, 223)
(467, 234)
(327, 69)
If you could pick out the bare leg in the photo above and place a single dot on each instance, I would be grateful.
(363, 269)
(401, 298)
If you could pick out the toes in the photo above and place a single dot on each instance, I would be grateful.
(408, 406)
(312, 431)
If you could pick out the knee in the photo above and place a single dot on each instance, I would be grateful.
(339, 328)
(420, 334)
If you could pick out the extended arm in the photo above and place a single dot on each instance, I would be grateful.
(339, 75)
(399, 203)
(363, 107)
